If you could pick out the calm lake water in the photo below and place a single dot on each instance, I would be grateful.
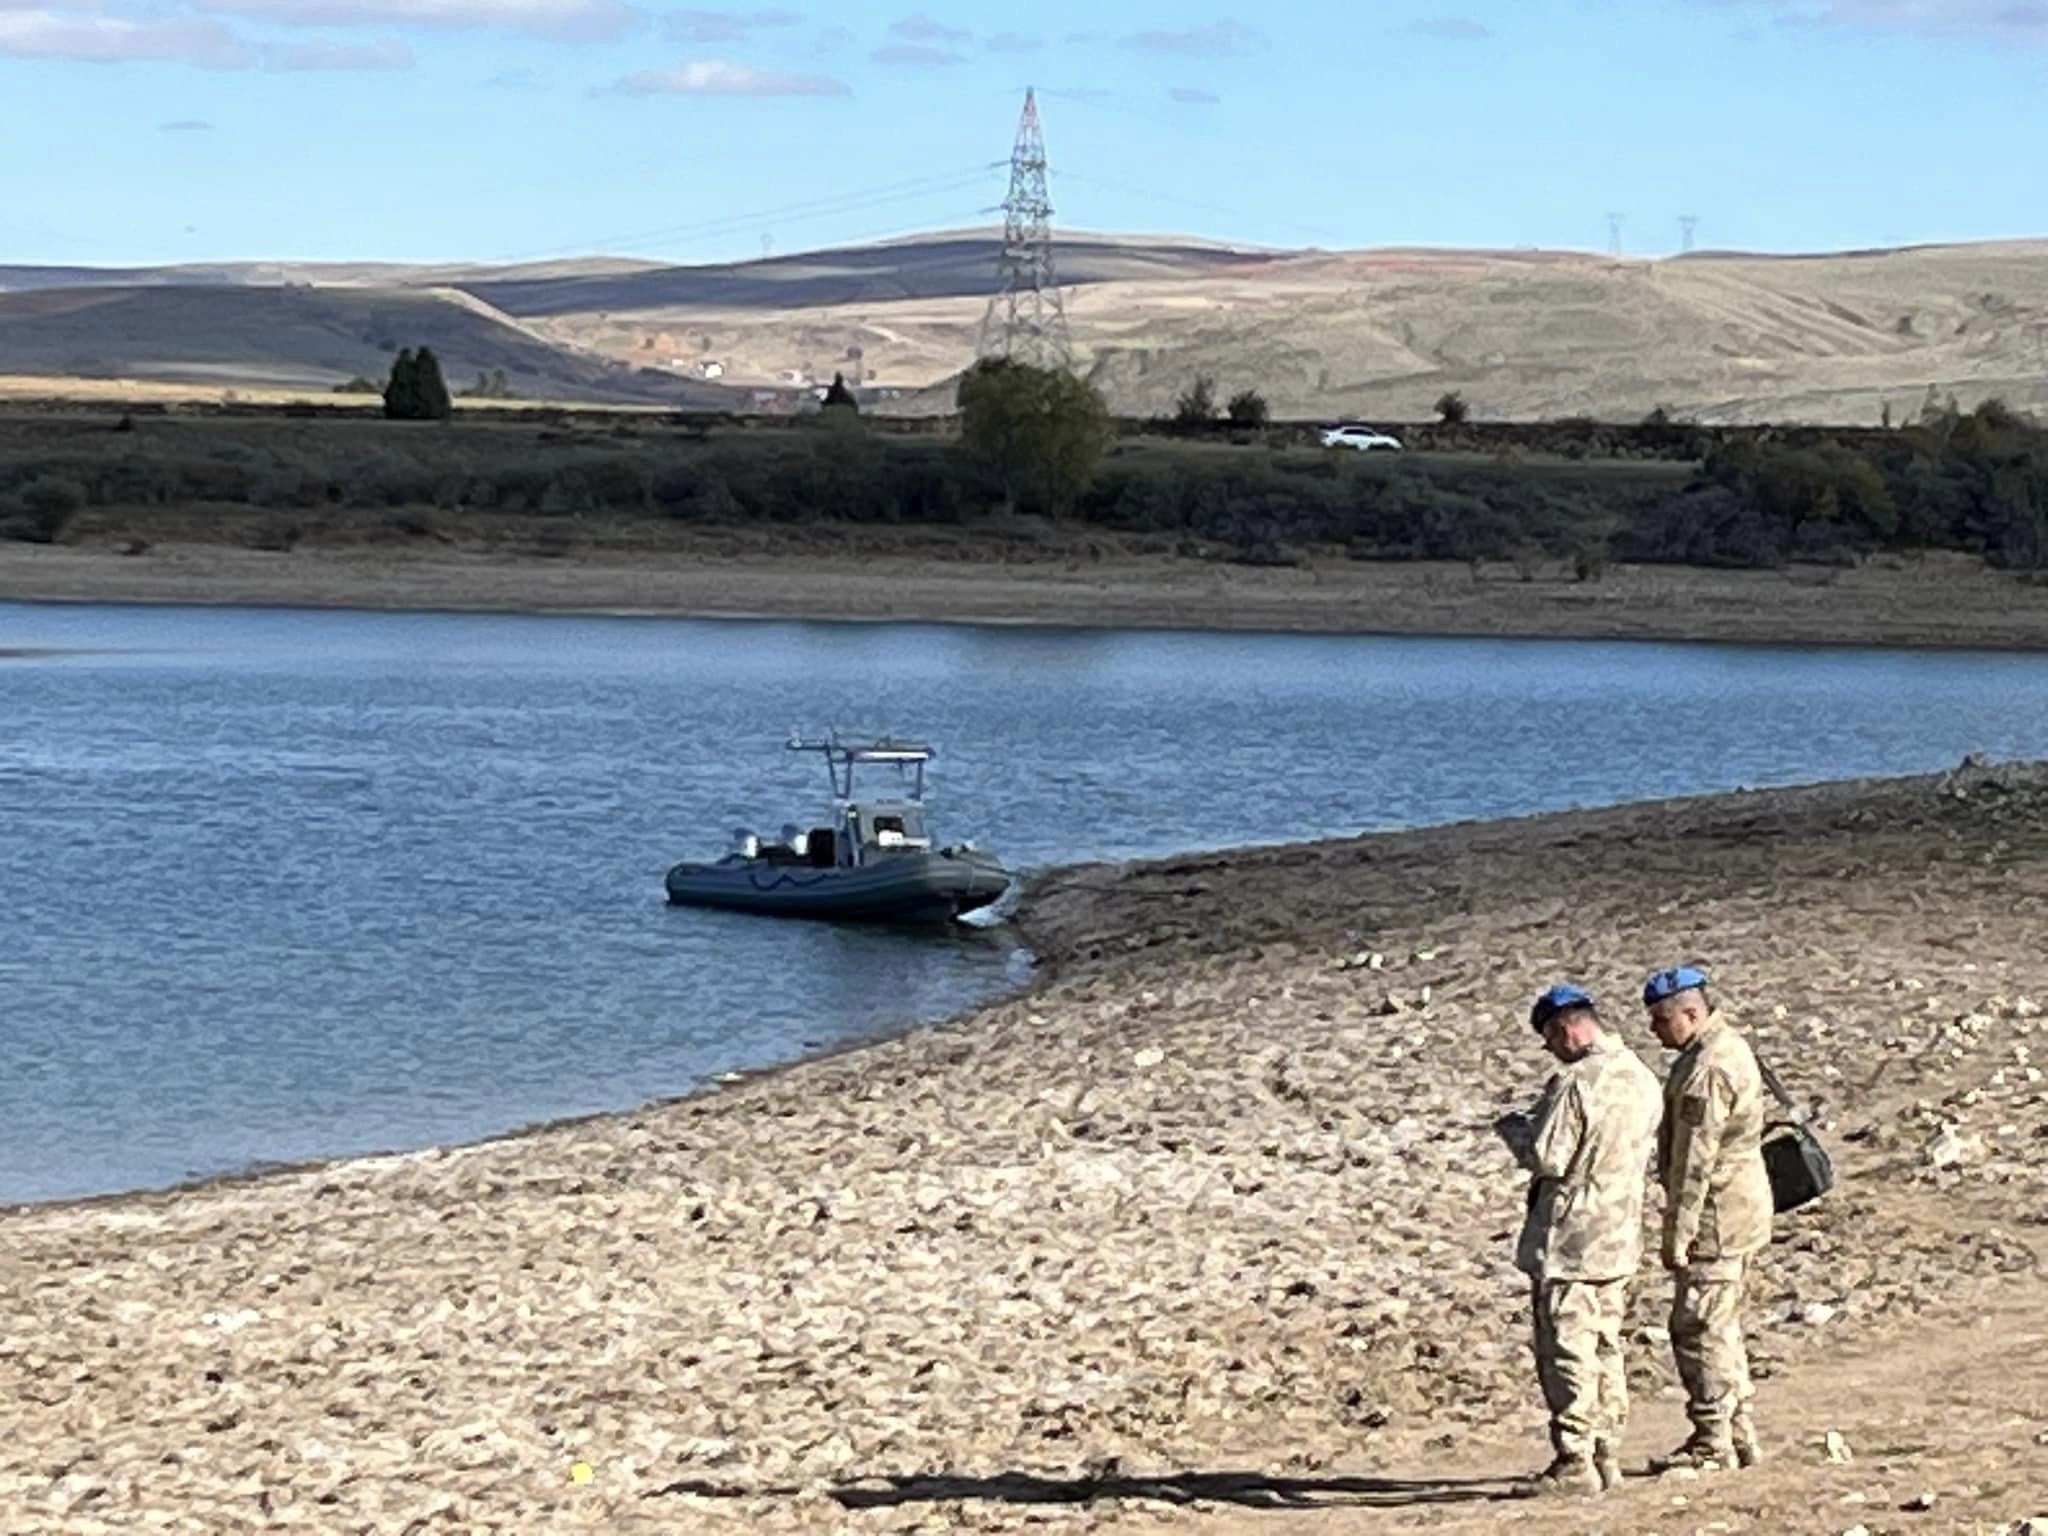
(287, 884)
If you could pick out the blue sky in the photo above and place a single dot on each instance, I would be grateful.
(191, 130)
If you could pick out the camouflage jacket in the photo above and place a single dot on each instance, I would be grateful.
(1717, 1198)
(1588, 1154)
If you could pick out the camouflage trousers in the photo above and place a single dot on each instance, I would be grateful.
(1578, 1360)
(1706, 1343)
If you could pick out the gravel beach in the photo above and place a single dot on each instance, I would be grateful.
(1932, 600)
(1206, 1223)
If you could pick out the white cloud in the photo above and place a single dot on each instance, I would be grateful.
(186, 125)
(1014, 42)
(545, 18)
(1218, 39)
(722, 77)
(1193, 96)
(917, 55)
(726, 26)
(338, 56)
(91, 37)
(922, 29)
(2013, 21)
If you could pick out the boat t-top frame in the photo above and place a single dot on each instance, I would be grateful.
(840, 756)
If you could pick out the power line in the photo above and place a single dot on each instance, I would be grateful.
(819, 207)
(1094, 178)
(740, 224)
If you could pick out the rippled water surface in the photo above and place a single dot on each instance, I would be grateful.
(286, 884)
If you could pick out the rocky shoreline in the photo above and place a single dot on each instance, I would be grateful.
(1210, 1216)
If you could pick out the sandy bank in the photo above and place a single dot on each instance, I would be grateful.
(1929, 601)
(1216, 1197)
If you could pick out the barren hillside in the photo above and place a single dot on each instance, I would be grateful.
(1384, 333)
(1380, 334)
(376, 274)
(298, 337)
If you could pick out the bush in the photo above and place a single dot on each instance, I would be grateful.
(277, 535)
(1196, 406)
(1669, 436)
(1710, 525)
(1823, 501)
(1975, 481)
(838, 397)
(1451, 407)
(42, 510)
(1247, 408)
(52, 496)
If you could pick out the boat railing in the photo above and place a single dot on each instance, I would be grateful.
(840, 757)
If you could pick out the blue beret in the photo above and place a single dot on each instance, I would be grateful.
(1560, 997)
(1663, 984)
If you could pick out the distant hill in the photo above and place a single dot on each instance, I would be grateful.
(377, 274)
(300, 337)
(937, 267)
(1380, 333)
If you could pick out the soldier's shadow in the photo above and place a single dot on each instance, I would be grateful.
(1251, 1490)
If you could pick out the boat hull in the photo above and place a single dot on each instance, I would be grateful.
(931, 887)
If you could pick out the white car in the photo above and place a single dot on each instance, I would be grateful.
(1353, 435)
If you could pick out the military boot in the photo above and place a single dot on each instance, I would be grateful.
(1742, 1437)
(1701, 1452)
(1563, 1477)
(1607, 1464)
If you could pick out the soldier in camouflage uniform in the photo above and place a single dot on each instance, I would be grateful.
(1717, 1213)
(1586, 1145)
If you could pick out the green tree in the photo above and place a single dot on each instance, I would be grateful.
(1452, 408)
(1038, 434)
(435, 402)
(402, 390)
(417, 392)
(838, 407)
(1247, 408)
(1196, 406)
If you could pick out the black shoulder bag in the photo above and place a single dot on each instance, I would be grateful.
(1796, 1163)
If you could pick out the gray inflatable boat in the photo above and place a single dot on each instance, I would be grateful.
(874, 862)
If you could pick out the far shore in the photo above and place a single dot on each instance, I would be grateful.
(1935, 601)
